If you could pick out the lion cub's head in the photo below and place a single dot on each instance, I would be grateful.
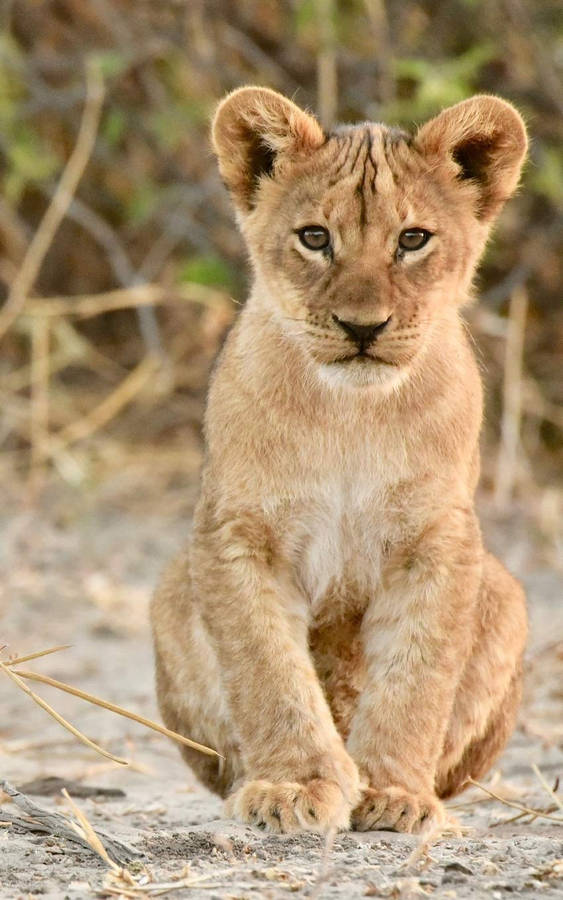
(362, 238)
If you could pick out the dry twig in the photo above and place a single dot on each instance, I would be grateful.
(90, 698)
(507, 461)
(56, 211)
(40, 334)
(84, 306)
(49, 709)
(97, 701)
(327, 76)
(54, 823)
(110, 406)
(324, 869)
(536, 813)
(21, 659)
(549, 790)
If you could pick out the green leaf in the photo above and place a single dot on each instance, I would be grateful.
(547, 178)
(28, 160)
(171, 123)
(142, 203)
(438, 84)
(113, 126)
(209, 270)
(111, 62)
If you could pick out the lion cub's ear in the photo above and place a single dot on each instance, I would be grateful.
(252, 126)
(485, 138)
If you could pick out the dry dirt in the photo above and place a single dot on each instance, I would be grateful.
(79, 567)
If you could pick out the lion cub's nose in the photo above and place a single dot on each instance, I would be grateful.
(362, 335)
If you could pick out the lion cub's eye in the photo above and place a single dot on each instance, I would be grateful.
(314, 237)
(414, 238)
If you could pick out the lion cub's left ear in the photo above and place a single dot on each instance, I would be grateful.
(251, 128)
(485, 138)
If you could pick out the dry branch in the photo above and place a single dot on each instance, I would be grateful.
(59, 826)
(552, 793)
(507, 461)
(56, 443)
(97, 701)
(84, 306)
(382, 49)
(108, 408)
(56, 211)
(536, 813)
(327, 75)
(84, 830)
(39, 392)
(49, 709)
(21, 659)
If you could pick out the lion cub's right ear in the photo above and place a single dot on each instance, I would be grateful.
(251, 128)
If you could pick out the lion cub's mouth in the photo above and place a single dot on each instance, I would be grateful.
(362, 358)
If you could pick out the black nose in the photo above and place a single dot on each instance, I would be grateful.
(362, 335)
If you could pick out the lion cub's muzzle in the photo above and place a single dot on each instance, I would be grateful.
(363, 336)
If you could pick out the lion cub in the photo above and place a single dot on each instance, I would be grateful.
(335, 629)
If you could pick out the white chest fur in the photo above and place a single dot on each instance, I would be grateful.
(339, 536)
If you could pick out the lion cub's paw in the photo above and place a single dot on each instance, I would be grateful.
(397, 809)
(289, 807)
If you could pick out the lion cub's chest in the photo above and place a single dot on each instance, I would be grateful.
(340, 534)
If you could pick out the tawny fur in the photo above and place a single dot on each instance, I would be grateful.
(335, 629)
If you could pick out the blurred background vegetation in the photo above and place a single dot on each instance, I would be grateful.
(119, 260)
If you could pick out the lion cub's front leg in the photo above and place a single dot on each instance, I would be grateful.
(417, 637)
(298, 774)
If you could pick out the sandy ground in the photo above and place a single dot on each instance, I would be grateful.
(80, 569)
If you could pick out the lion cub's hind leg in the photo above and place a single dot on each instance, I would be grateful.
(188, 681)
(487, 700)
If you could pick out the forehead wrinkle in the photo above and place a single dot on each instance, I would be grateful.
(344, 143)
(356, 187)
(358, 145)
(338, 195)
(410, 173)
(361, 162)
(384, 181)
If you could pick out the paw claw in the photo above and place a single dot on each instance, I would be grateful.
(396, 809)
(289, 807)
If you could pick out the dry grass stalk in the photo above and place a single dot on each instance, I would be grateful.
(507, 461)
(55, 444)
(71, 347)
(121, 883)
(524, 815)
(39, 246)
(429, 836)
(86, 306)
(85, 830)
(382, 49)
(105, 704)
(90, 698)
(21, 659)
(58, 718)
(80, 832)
(549, 790)
(525, 810)
(40, 334)
(324, 870)
(30, 419)
(13, 748)
(123, 394)
(327, 75)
